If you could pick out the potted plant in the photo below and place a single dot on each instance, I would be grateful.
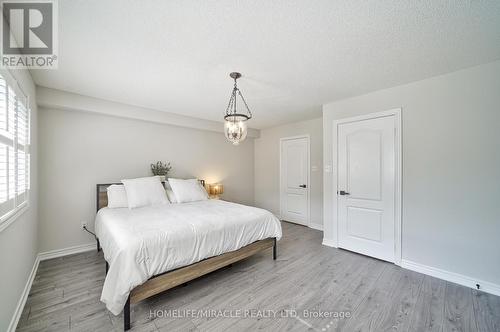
(161, 169)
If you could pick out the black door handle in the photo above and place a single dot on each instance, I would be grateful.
(302, 186)
(343, 193)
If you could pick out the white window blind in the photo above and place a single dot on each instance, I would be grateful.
(14, 151)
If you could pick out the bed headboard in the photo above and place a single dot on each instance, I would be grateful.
(102, 193)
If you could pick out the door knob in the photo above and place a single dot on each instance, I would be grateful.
(303, 186)
(343, 193)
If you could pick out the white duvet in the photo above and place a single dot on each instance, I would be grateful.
(144, 242)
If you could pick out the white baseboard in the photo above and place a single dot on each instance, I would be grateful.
(67, 251)
(456, 278)
(24, 296)
(318, 227)
(41, 257)
(329, 243)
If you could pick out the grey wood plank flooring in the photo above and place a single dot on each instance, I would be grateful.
(306, 277)
(487, 311)
(429, 309)
(458, 309)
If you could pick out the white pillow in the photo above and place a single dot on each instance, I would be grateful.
(117, 196)
(145, 192)
(188, 190)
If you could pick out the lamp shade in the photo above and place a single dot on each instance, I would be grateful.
(215, 189)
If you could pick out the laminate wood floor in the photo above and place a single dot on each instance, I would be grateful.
(296, 292)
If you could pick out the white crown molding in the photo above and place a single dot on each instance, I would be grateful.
(58, 99)
(456, 278)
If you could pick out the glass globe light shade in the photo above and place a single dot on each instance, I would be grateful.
(235, 129)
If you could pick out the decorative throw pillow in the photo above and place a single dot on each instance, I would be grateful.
(145, 192)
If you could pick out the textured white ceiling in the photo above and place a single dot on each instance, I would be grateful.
(175, 56)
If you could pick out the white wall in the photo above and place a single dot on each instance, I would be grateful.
(267, 166)
(451, 168)
(80, 149)
(18, 242)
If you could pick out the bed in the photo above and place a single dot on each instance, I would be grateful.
(152, 249)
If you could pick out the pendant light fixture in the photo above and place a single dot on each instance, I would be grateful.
(235, 120)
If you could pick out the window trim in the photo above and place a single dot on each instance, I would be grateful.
(18, 211)
(14, 215)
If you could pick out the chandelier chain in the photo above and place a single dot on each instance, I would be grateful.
(231, 106)
(245, 102)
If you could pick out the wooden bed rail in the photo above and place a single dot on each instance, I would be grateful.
(171, 279)
(182, 275)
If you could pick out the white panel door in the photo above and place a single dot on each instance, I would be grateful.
(295, 180)
(366, 187)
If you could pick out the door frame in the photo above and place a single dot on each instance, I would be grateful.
(282, 139)
(398, 176)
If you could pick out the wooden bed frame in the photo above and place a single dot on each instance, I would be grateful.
(165, 281)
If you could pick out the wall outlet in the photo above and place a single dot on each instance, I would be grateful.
(83, 224)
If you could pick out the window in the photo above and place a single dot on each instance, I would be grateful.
(14, 151)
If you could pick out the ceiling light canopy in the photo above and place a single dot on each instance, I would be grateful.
(235, 120)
